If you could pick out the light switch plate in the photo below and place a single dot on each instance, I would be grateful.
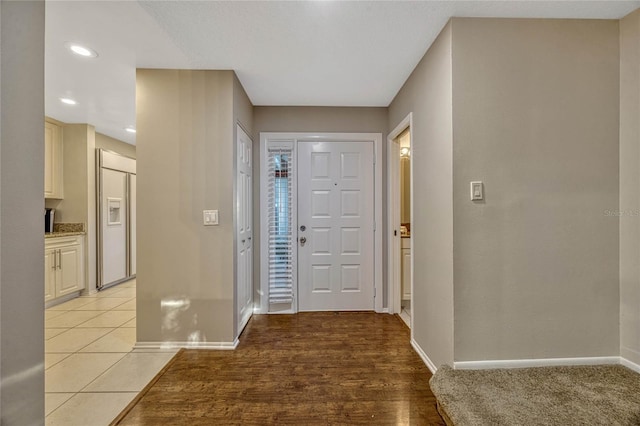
(210, 217)
(477, 192)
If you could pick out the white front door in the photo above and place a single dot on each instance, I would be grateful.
(244, 229)
(335, 226)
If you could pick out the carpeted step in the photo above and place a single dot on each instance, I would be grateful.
(577, 395)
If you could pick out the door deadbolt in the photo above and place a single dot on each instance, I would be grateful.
(303, 240)
(303, 228)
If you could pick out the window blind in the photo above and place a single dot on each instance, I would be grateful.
(280, 225)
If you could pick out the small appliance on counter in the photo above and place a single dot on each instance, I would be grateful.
(48, 219)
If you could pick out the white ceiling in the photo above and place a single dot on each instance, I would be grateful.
(323, 53)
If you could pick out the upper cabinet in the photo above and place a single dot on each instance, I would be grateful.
(53, 172)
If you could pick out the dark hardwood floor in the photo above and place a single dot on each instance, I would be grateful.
(305, 369)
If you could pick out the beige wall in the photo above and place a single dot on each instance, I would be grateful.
(21, 236)
(79, 203)
(630, 187)
(185, 165)
(535, 117)
(73, 208)
(427, 93)
(405, 178)
(115, 145)
(405, 190)
(312, 119)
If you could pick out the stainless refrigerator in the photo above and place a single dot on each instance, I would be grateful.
(116, 193)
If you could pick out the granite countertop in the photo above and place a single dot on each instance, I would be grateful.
(63, 234)
(66, 230)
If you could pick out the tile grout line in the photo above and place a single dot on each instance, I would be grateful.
(100, 375)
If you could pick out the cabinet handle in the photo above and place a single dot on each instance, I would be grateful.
(59, 259)
(55, 261)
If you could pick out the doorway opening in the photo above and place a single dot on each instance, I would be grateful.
(400, 220)
(320, 248)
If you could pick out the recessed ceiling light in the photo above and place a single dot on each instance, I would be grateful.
(68, 101)
(130, 129)
(80, 50)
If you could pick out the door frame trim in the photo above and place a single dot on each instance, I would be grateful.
(378, 226)
(394, 298)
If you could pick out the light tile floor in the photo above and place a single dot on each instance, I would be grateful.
(91, 371)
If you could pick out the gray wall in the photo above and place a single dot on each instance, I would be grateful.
(314, 119)
(535, 116)
(22, 188)
(630, 187)
(427, 93)
(186, 150)
(115, 145)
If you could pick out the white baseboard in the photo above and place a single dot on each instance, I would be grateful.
(384, 311)
(540, 362)
(187, 345)
(629, 364)
(430, 365)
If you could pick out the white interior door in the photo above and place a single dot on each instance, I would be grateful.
(335, 226)
(244, 272)
(114, 226)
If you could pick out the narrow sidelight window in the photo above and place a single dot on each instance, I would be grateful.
(280, 222)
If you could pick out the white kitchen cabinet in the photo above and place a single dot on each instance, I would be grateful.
(53, 170)
(64, 266)
(50, 271)
(405, 252)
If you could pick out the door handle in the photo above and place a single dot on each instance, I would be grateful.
(303, 240)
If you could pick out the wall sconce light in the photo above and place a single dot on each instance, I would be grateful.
(405, 152)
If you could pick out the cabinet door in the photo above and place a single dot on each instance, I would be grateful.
(50, 270)
(52, 160)
(406, 274)
(70, 271)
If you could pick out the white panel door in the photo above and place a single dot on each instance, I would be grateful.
(114, 226)
(132, 225)
(244, 272)
(335, 226)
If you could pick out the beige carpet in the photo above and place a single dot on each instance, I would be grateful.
(589, 395)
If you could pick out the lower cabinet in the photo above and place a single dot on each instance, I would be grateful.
(64, 266)
(406, 268)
